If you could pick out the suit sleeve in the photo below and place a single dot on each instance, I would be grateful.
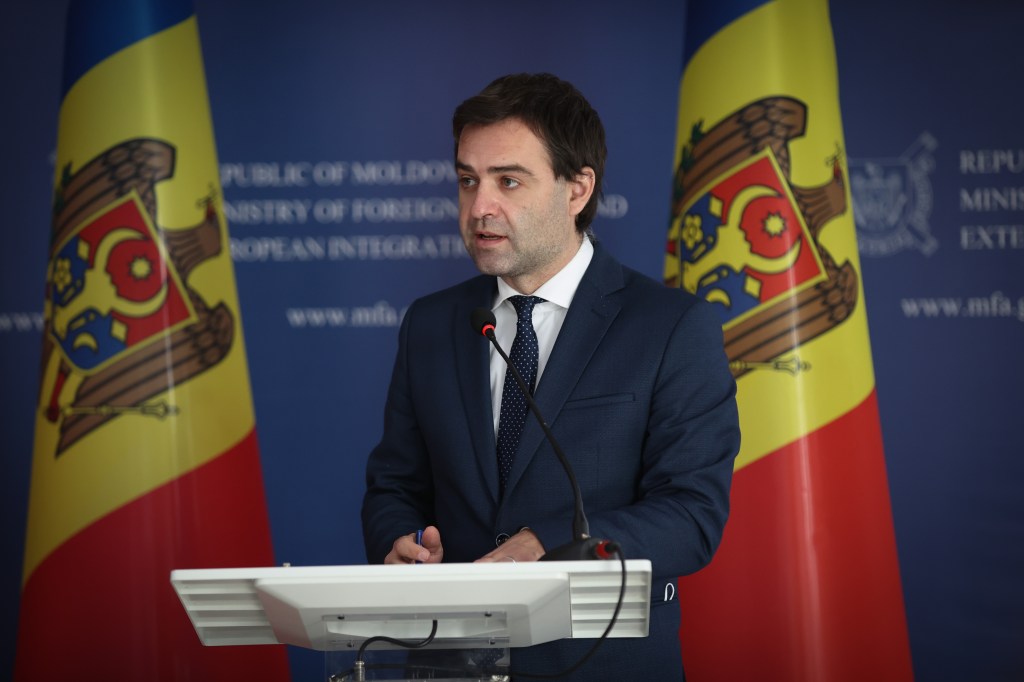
(399, 491)
(687, 455)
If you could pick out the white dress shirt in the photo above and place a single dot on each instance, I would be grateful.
(548, 317)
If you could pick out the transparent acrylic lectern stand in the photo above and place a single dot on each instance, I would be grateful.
(439, 665)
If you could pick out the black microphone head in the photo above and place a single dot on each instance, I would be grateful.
(481, 319)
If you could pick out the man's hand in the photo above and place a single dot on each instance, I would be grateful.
(406, 551)
(523, 546)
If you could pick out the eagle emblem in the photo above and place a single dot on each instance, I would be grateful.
(123, 322)
(746, 239)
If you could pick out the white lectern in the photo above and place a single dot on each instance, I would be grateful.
(335, 608)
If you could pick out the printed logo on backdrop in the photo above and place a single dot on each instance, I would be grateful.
(748, 241)
(892, 201)
(118, 293)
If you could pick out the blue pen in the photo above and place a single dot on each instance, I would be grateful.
(419, 541)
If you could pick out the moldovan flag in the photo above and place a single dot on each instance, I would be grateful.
(806, 584)
(145, 456)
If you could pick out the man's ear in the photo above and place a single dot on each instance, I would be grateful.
(581, 188)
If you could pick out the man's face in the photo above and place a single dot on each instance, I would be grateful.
(516, 219)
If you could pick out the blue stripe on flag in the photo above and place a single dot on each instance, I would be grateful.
(99, 28)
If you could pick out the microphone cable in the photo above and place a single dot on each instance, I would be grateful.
(611, 548)
(358, 671)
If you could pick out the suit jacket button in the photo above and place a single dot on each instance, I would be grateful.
(500, 540)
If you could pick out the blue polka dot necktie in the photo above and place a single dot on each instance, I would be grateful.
(523, 357)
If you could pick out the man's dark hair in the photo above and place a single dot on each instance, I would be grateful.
(557, 113)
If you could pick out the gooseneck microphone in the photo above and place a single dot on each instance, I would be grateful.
(582, 545)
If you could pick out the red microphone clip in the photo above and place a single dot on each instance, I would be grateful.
(605, 550)
(487, 328)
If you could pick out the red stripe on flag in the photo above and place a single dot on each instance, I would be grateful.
(101, 606)
(807, 576)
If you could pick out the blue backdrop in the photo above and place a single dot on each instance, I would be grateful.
(333, 129)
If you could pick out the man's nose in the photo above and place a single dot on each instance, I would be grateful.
(485, 201)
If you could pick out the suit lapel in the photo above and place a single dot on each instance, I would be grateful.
(472, 359)
(590, 315)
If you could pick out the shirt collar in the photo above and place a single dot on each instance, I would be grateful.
(561, 288)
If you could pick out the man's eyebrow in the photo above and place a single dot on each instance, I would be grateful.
(510, 168)
(496, 170)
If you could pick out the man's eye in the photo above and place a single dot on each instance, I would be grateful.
(509, 183)
(466, 181)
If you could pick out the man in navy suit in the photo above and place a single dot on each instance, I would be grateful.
(630, 375)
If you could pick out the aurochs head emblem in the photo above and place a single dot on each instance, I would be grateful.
(746, 240)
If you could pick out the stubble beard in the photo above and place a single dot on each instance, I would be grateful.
(515, 261)
(532, 248)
